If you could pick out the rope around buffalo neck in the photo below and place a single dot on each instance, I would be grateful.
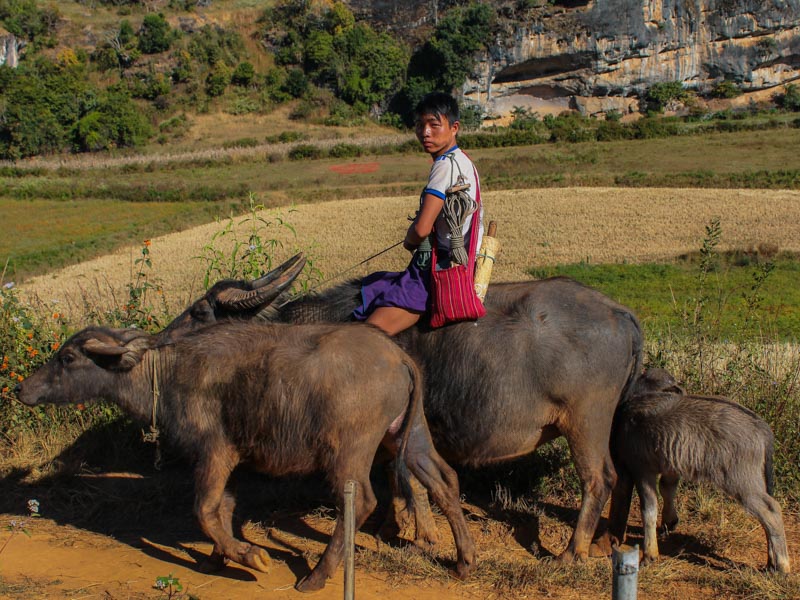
(153, 434)
(458, 205)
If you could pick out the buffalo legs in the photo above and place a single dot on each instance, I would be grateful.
(405, 515)
(589, 448)
(214, 510)
(441, 482)
(365, 503)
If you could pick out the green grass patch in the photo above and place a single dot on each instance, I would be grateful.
(661, 294)
(45, 234)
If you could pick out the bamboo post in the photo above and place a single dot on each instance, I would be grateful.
(349, 539)
(490, 247)
(625, 569)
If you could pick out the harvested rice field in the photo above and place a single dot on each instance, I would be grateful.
(537, 227)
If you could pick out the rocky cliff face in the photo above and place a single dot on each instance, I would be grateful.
(597, 55)
(9, 49)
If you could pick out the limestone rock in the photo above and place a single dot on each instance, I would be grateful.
(557, 54)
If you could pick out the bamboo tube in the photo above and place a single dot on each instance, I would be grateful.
(490, 247)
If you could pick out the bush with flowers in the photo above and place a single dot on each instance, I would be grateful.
(26, 341)
(28, 337)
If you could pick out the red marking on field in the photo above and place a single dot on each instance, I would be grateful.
(351, 168)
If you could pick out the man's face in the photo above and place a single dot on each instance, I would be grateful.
(436, 134)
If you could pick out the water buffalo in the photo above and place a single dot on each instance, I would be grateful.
(663, 431)
(550, 358)
(286, 399)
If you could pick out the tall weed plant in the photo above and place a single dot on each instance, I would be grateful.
(244, 248)
(750, 365)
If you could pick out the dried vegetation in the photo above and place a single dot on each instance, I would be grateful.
(537, 227)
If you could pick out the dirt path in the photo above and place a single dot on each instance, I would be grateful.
(717, 553)
(63, 562)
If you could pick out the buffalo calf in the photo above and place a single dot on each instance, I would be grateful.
(285, 399)
(662, 431)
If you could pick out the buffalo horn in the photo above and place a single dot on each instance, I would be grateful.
(279, 279)
(276, 272)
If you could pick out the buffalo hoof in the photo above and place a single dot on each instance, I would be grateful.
(425, 545)
(667, 528)
(463, 570)
(599, 550)
(569, 556)
(782, 567)
(601, 547)
(388, 531)
(257, 558)
(214, 563)
(311, 583)
(646, 559)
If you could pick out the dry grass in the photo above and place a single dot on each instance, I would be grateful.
(537, 227)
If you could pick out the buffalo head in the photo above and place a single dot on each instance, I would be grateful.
(656, 380)
(83, 368)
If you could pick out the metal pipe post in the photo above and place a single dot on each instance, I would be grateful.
(349, 540)
(625, 569)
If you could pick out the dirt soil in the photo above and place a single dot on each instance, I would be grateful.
(113, 534)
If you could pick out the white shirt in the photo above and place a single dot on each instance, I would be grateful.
(443, 175)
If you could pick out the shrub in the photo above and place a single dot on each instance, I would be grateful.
(570, 128)
(217, 80)
(212, 45)
(243, 74)
(26, 21)
(26, 342)
(345, 151)
(661, 94)
(243, 104)
(155, 34)
(247, 142)
(116, 122)
(295, 84)
(305, 151)
(791, 97)
(655, 127)
(726, 89)
(614, 130)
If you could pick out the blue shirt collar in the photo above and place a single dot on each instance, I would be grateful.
(443, 156)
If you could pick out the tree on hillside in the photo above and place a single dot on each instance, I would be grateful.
(114, 122)
(446, 60)
(155, 35)
(27, 21)
(46, 107)
(361, 66)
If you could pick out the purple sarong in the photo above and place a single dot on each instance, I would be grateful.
(407, 289)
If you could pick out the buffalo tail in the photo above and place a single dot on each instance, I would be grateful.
(413, 416)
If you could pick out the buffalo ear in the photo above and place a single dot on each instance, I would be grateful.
(95, 346)
(118, 357)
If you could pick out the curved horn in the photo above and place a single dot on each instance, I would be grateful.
(246, 300)
(275, 273)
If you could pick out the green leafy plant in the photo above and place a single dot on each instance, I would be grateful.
(169, 585)
(229, 255)
(139, 312)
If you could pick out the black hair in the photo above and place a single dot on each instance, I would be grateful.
(440, 104)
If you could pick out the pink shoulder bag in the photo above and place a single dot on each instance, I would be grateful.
(453, 296)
